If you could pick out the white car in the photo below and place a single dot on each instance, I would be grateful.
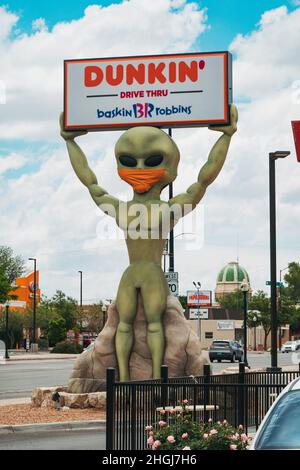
(280, 428)
(290, 346)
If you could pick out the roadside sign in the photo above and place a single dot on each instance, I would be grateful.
(172, 90)
(278, 284)
(225, 325)
(296, 133)
(193, 314)
(203, 299)
(172, 279)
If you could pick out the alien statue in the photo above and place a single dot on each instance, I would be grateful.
(147, 158)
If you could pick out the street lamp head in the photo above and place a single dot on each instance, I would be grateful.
(199, 284)
(279, 154)
(31, 259)
(245, 286)
(195, 284)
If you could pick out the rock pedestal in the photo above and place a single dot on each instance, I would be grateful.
(183, 355)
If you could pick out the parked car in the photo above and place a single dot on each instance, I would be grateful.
(225, 350)
(290, 346)
(280, 428)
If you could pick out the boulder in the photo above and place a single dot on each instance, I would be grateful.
(183, 354)
(42, 396)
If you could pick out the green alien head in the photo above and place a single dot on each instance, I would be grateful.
(147, 157)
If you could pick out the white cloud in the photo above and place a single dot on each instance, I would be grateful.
(14, 161)
(53, 216)
(32, 64)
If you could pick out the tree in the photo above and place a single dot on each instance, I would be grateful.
(261, 302)
(11, 267)
(65, 307)
(15, 328)
(292, 278)
(57, 331)
(232, 301)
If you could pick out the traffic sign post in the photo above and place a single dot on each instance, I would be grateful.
(172, 280)
(278, 284)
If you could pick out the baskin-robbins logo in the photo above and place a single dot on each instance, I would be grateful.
(177, 90)
(143, 111)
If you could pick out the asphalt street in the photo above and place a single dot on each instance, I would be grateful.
(54, 440)
(17, 379)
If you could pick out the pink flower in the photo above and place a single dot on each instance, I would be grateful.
(162, 424)
(186, 448)
(173, 411)
(225, 422)
(156, 444)
(171, 439)
(150, 441)
(244, 437)
(150, 433)
(162, 412)
(232, 447)
(184, 435)
(205, 436)
(213, 432)
(210, 420)
(185, 402)
(148, 428)
(233, 437)
(241, 426)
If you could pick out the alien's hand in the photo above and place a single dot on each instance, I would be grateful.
(232, 127)
(68, 135)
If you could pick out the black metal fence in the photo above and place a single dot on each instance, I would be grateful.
(241, 398)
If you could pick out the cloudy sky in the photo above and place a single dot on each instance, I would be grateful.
(44, 210)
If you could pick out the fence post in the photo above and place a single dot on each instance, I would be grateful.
(299, 367)
(241, 394)
(206, 373)
(110, 405)
(164, 387)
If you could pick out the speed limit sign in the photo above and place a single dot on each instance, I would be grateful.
(172, 280)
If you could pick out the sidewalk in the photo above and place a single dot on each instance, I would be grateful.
(39, 356)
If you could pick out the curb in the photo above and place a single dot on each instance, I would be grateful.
(61, 426)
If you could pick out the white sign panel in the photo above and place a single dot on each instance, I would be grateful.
(225, 325)
(178, 90)
(193, 313)
(203, 298)
(172, 279)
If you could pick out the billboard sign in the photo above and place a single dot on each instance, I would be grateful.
(193, 314)
(203, 299)
(174, 90)
(225, 325)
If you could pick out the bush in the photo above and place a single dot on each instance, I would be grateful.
(182, 433)
(65, 347)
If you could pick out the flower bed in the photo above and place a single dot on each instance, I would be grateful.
(182, 433)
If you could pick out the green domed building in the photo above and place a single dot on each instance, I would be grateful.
(230, 278)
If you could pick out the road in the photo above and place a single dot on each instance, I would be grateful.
(54, 440)
(17, 379)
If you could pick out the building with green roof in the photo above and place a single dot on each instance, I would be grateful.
(230, 279)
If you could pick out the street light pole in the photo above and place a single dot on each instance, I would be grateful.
(245, 290)
(80, 291)
(171, 240)
(272, 196)
(198, 308)
(6, 331)
(34, 302)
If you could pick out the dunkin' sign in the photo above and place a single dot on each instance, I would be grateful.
(181, 90)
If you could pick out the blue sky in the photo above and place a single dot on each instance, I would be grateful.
(227, 18)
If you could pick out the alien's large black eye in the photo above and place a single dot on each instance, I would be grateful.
(126, 160)
(154, 160)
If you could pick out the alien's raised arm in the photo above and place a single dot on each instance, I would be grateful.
(212, 167)
(85, 174)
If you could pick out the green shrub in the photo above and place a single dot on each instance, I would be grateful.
(65, 347)
(179, 431)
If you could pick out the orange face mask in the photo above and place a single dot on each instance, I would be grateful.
(141, 180)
